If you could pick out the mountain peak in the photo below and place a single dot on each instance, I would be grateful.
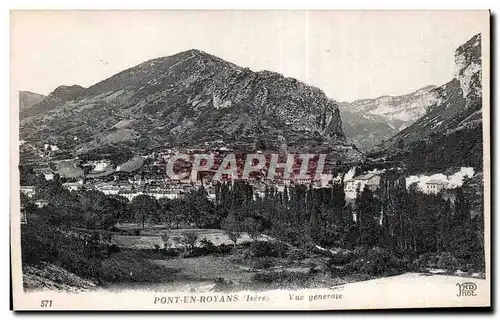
(193, 51)
(468, 65)
(57, 97)
(65, 93)
(187, 54)
(27, 99)
(193, 97)
(451, 129)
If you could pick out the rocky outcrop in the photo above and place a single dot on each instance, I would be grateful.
(452, 106)
(50, 277)
(468, 67)
(459, 102)
(450, 132)
(369, 122)
(397, 110)
(193, 97)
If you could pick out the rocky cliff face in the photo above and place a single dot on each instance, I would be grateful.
(455, 119)
(398, 110)
(369, 122)
(458, 103)
(468, 67)
(454, 105)
(190, 98)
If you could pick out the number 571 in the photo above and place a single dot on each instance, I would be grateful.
(46, 303)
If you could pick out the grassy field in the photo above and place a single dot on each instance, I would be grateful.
(236, 268)
(151, 236)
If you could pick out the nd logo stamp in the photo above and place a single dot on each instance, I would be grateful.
(466, 289)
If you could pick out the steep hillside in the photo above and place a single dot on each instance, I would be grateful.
(369, 122)
(60, 95)
(366, 131)
(28, 99)
(187, 99)
(450, 133)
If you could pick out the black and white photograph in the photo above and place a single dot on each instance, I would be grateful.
(250, 160)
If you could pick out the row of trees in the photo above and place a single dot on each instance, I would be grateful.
(402, 220)
(94, 210)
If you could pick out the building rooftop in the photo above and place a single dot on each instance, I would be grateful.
(365, 176)
(435, 181)
(71, 184)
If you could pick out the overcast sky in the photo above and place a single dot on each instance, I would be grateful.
(350, 55)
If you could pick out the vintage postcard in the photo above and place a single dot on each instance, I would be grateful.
(250, 160)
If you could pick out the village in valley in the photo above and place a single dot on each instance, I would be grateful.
(147, 175)
(190, 173)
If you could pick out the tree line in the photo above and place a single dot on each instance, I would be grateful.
(402, 220)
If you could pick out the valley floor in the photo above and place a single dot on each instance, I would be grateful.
(235, 270)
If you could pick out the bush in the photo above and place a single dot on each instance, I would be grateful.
(208, 245)
(424, 261)
(447, 261)
(353, 266)
(130, 266)
(87, 255)
(376, 262)
(296, 254)
(77, 252)
(190, 238)
(263, 263)
(170, 252)
(361, 251)
(339, 271)
(165, 237)
(342, 258)
(223, 285)
(224, 249)
(282, 279)
(113, 249)
(463, 265)
(268, 249)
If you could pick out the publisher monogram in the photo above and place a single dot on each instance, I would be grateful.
(466, 289)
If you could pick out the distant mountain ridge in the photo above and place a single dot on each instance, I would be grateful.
(450, 133)
(459, 102)
(60, 95)
(405, 108)
(368, 122)
(27, 99)
(187, 99)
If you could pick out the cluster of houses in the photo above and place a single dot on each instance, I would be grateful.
(353, 185)
(126, 181)
(372, 182)
(158, 186)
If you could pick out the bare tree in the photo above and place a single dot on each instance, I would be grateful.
(232, 228)
(233, 236)
(165, 237)
(251, 227)
(190, 238)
